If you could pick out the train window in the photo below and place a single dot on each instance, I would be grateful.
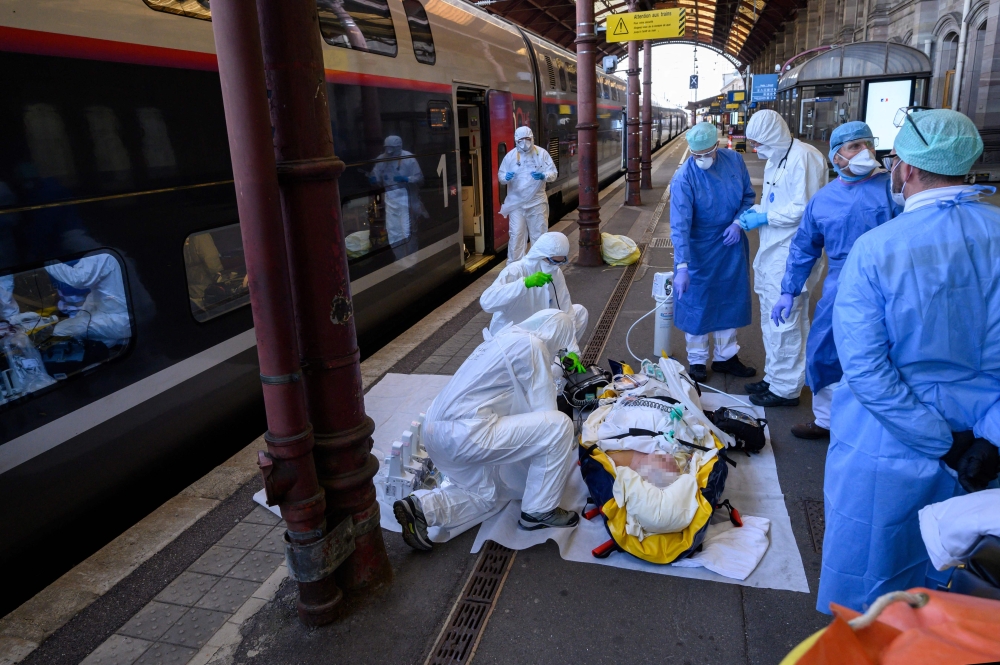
(191, 8)
(420, 32)
(571, 74)
(439, 115)
(562, 76)
(501, 153)
(216, 272)
(362, 25)
(60, 320)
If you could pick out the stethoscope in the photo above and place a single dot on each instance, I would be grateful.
(781, 167)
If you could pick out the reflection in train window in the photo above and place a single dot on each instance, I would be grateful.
(60, 320)
(501, 153)
(362, 25)
(439, 115)
(216, 272)
(562, 76)
(193, 8)
(420, 32)
(572, 79)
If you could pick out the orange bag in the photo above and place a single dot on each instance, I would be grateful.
(916, 627)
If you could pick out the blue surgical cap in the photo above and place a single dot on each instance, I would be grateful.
(703, 136)
(953, 142)
(849, 131)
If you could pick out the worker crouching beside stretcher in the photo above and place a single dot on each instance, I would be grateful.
(495, 432)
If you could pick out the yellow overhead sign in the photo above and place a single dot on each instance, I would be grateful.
(732, 106)
(657, 24)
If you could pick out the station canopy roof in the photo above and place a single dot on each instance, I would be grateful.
(861, 60)
(739, 29)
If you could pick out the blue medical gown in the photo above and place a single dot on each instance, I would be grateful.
(917, 326)
(702, 204)
(834, 219)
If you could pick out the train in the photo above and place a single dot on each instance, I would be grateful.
(126, 337)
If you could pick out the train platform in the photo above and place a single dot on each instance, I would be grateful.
(202, 579)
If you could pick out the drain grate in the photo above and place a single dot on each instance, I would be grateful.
(817, 522)
(661, 243)
(465, 625)
(610, 314)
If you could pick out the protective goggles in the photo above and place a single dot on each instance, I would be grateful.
(553, 262)
(906, 113)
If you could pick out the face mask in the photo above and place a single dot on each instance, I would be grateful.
(862, 163)
(524, 145)
(392, 151)
(763, 152)
(897, 197)
(704, 163)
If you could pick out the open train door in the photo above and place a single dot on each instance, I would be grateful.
(501, 109)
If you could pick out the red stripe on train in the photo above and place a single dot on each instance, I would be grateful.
(18, 40)
(357, 78)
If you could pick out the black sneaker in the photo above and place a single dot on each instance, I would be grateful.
(698, 373)
(757, 387)
(735, 367)
(411, 518)
(558, 519)
(767, 398)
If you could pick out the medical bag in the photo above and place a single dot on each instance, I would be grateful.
(746, 430)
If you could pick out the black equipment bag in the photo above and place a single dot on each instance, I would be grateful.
(980, 575)
(747, 430)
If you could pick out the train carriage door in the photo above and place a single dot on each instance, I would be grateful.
(501, 138)
(470, 141)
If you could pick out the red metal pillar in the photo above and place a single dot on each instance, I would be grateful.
(646, 180)
(586, 135)
(632, 197)
(288, 467)
(308, 171)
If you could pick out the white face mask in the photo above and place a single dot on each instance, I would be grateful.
(862, 163)
(524, 145)
(897, 197)
(764, 152)
(704, 163)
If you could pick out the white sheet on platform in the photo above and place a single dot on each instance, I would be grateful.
(752, 487)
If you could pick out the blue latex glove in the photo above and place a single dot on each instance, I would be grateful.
(401, 178)
(732, 234)
(751, 220)
(537, 176)
(373, 180)
(682, 280)
(509, 176)
(782, 309)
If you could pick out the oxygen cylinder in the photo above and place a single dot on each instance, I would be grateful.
(663, 293)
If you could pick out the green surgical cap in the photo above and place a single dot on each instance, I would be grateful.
(953, 142)
(703, 136)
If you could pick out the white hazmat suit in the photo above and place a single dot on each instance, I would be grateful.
(794, 172)
(510, 301)
(8, 306)
(396, 173)
(500, 410)
(526, 203)
(104, 315)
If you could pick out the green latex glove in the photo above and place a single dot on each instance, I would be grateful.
(576, 366)
(538, 279)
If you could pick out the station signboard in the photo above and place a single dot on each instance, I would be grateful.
(636, 26)
(764, 87)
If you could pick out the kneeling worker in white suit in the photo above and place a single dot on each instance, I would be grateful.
(525, 170)
(532, 284)
(498, 410)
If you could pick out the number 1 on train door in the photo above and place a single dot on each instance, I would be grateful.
(442, 171)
